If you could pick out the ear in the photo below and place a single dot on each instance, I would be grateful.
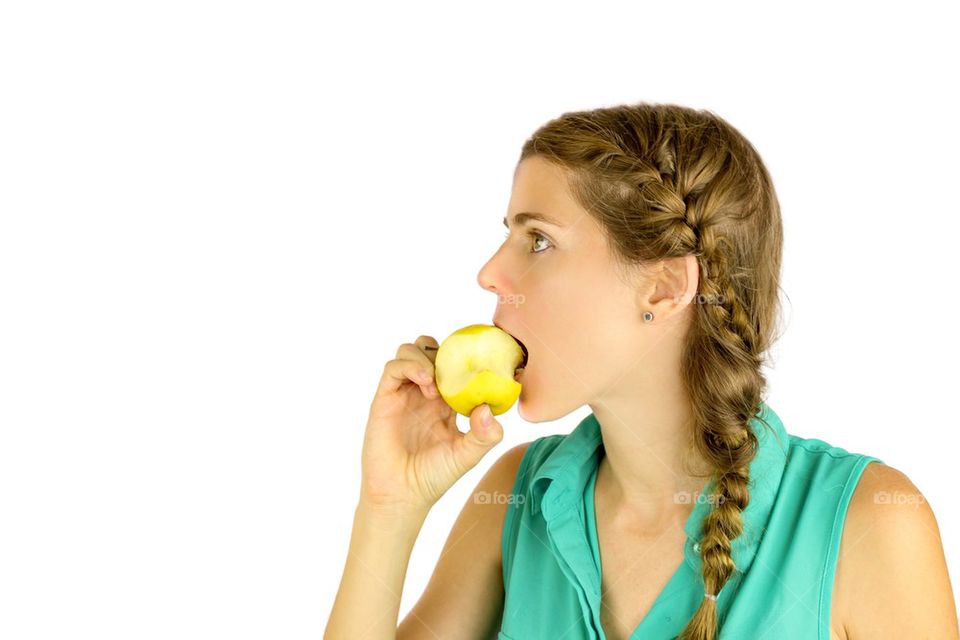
(670, 287)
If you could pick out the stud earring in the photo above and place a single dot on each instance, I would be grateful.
(647, 316)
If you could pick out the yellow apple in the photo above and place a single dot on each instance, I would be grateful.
(476, 365)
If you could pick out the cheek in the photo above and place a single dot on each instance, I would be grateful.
(567, 364)
(582, 353)
(582, 326)
(575, 318)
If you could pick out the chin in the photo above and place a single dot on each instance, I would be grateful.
(536, 409)
(525, 410)
(531, 412)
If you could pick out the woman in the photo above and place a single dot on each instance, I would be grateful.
(645, 245)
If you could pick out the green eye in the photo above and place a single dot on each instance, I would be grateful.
(534, 236)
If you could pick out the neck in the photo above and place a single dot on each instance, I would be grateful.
(650, 474)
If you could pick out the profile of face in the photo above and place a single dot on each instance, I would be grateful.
(561, 293)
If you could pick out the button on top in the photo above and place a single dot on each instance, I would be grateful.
(696, 547)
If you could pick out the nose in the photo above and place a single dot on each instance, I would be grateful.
(491, 276)
(484, 277)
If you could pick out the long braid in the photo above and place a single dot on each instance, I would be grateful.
(719, 357)
(725, 399)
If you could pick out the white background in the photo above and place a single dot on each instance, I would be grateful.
(219, 220)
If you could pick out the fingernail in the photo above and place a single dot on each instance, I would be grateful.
(487, 416)
(424, 375)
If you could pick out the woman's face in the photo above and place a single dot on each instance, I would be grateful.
(559, 293)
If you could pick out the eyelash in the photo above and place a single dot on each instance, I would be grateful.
(533, 235)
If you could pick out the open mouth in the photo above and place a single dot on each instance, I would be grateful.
(523, 363)
(523, 347)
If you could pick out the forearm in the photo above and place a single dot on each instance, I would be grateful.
(368, 600)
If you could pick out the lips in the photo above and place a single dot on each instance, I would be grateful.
(526, 355)
(523, 347)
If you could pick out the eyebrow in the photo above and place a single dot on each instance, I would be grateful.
(525, 216)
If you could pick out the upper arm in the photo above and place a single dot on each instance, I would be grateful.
(464, 597)
(892, 577)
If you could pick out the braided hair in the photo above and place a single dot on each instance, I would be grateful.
(665, 181)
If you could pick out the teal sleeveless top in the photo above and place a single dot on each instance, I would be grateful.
(786, 556)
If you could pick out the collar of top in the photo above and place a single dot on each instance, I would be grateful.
(559, 483)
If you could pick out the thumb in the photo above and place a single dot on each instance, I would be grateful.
(481, 438)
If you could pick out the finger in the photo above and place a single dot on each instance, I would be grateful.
(429, 347)
(411, 351)
(481, 438)
(398, 372)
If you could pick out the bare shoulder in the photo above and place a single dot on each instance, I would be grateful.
(488, 503)
(464, 596)
(505, 468)
(891, 579)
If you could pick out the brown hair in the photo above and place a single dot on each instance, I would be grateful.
(664, 180)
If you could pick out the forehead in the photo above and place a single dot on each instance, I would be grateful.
(541, 186)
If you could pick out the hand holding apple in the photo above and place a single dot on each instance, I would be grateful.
(412, 449)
